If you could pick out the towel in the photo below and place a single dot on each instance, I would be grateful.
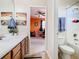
(12, 23)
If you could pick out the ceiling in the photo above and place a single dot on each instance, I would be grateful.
(66, 3)
(35, 10)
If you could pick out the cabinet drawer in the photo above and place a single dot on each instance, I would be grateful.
(16, 49)
(8, 56)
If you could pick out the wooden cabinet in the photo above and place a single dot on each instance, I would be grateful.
(24, 48)
(18, 55)
(18, 51)
(8, 56)
(27, 46)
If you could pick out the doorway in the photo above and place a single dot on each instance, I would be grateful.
(37, 29)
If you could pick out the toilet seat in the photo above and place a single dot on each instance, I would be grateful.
(67, 49)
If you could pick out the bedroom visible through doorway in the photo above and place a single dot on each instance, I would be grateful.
(37, 29)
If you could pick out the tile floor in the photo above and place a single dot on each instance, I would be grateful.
(37, 48)
(41, 55)
(37, 45)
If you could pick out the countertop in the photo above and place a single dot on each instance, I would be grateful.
(9, 42)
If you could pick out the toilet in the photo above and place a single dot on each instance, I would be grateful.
(67, 51)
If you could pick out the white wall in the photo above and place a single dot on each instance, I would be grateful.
(6, 5)
(61, 36)
(61, 12)
(51, 46)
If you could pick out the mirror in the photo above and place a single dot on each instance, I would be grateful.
(5, 13)
(9, 9)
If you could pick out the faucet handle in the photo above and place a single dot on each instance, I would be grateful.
(76, 43)
(75, 35)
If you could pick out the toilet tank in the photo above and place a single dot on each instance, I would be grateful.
(61, 38)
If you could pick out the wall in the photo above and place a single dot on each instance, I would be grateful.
(30, 3)
(61, 12)
(61, 36)
(52, 46)
(6, 5)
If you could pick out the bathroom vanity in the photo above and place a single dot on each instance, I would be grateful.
(14, 48)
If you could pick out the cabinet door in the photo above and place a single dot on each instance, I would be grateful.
(26, 45)
(8, 56)
(18, 55)
(23, 48)
(16, 49)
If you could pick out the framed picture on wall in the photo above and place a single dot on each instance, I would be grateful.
(21, 22)
(4, 22)
(21, 18)
(36, 24)
(5, 16)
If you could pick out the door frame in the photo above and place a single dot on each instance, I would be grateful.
(45, 24)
